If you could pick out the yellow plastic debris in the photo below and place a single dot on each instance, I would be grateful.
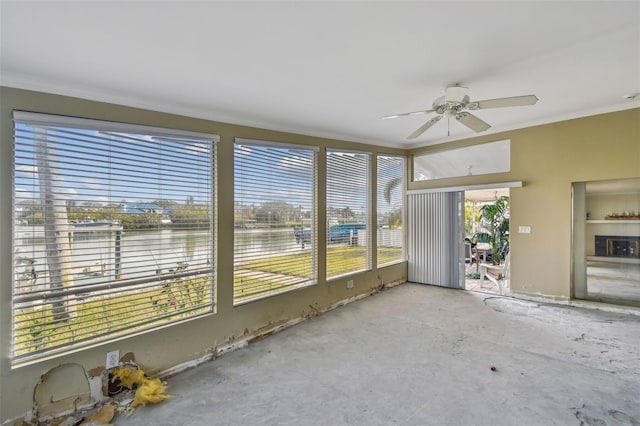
(148, 390)
(128, 376)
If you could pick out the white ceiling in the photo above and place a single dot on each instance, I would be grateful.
(330, 69)
(486, 195)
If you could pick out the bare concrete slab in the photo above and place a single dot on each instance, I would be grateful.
(421, 355)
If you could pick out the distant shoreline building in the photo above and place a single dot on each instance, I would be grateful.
(146, 208)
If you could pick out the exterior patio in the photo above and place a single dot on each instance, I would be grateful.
(474, 284)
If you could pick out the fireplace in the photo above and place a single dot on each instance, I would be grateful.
(618, 246)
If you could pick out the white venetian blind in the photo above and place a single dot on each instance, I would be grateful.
(275, 218)
(348, 224)
(390, 209)
(113, 230)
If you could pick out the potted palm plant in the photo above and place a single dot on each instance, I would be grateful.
(495, 218)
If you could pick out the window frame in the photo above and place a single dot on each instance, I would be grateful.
(465, 156)
(110, 288)
(403, 189)
(367, 204)
(302, 240)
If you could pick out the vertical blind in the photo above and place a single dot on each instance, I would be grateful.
(348, 224)
(390, 209)
(275, 218)
(113, 230)
(435, 240)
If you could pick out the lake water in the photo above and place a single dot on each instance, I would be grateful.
(252, 243)
(141, 253)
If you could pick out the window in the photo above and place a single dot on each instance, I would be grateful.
(493, 157)
(113, 230)
(390, 211)
(347, 212)
(275, 218)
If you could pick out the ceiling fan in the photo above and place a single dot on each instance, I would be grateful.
(455, 104)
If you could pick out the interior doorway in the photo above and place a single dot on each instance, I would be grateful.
(486, 240)
(606, 241)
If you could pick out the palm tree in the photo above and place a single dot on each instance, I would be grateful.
(495, 218)
(56, 226)
(391, 185)
(395, 217)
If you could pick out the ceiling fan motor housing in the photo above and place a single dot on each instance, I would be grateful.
(442, 106)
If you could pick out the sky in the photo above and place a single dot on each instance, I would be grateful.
(97, 167)
(87, 165)
(271, 173)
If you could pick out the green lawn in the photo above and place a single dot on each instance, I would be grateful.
(114, 315)
(249, 288)
(36, 330)
(340, 260)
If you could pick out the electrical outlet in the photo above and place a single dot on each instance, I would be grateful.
(349, 283)
(113, 359)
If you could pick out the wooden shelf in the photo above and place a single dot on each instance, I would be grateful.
(627, 222)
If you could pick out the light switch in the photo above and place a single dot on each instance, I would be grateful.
(524, 229)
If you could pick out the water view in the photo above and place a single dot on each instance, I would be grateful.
(108, 253)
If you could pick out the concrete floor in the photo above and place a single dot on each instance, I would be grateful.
(421, 355)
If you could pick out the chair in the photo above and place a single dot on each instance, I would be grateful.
(481, 242)
(499, 274)
(469, 255)
(481, 237)
(483, 252)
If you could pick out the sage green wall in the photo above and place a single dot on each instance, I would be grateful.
(547, 159)
(191, 340)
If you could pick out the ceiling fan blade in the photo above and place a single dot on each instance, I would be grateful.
(472, 122)
(424, 127)
(455, 94)
(504, 102)
(404, 114)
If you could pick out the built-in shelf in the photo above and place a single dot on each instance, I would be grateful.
(632, 221)
(614, 259)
